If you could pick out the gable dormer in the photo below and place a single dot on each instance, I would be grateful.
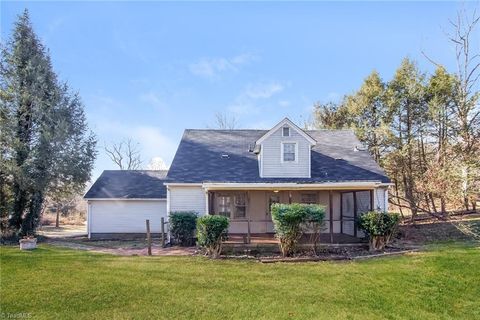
(285, 152)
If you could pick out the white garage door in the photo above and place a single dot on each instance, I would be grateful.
(126, 216)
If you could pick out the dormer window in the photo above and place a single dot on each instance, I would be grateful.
(285, 151)
(289, 152)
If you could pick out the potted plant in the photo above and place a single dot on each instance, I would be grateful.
(28, 243)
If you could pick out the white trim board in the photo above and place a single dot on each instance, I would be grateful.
(281, 124)
(125, 199)
(180, 184)
(296, 186)
(282, 149)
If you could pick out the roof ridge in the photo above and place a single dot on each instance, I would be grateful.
(190, 129)
(329, 130)
(135, 170)
(233, 130)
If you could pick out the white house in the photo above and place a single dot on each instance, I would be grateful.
(239, 174)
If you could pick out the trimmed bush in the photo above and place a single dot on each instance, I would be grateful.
(182, 227)
(315, 219)
(379, 226)
(290, 221)
(211, 230)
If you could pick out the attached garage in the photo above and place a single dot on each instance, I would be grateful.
(115, 218)
(121, 201)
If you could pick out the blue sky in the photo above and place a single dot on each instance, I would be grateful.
(148, 70)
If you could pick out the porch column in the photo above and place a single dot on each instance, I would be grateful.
(209, 202)
(330, 209)
(372, 201)
(341, 212)
(355, 214)
(247, 214)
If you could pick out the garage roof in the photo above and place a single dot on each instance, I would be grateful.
(129, 184)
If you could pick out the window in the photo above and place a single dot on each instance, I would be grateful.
(309, 198)
(224, 205)
(240, 206)
(232, 205)
(273, 198)
(286, 132)
(289, 151)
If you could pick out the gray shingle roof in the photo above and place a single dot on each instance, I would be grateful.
(199, 158)
(128, 184)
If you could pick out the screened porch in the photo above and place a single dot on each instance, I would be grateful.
(250, 216)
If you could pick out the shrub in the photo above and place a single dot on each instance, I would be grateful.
(211, 230)
(379, 226)
(290, 220)
(182, 227)
(315, 219)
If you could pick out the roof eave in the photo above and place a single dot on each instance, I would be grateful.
(289, 122)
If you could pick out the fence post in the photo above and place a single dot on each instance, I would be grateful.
(162, 230)
(149, 238)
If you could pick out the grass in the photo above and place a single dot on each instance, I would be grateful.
(53, 283)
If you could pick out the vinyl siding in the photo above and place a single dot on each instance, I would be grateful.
(187, 198)
(272, 165)
(381, 196)
(125, 216)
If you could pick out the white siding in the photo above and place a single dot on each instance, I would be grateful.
(187, 198)
(271, 162)
(381, 199)
(125, 216)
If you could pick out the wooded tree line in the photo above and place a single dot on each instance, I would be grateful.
(423, 129)
(46, 148)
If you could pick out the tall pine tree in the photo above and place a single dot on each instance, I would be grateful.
(369, 112)
(49, 145)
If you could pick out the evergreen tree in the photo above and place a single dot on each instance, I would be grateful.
(50, 145)
(441, 179)
(368, 111)
(331, 115)
(408, 112)
(423, 130)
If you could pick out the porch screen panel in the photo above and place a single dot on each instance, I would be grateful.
(363, 205)
(347, 213)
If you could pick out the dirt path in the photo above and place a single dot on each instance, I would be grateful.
(65, 231)
(156, 250)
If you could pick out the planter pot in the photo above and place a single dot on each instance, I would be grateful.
(28, 244)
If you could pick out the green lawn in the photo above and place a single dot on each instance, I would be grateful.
(53, 283)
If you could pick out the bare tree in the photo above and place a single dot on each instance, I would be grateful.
(125, 154)
(225, 121)
(464, 37)
(468, 73)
